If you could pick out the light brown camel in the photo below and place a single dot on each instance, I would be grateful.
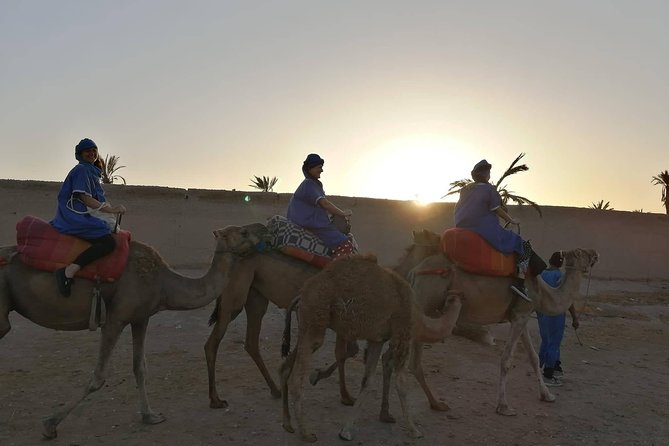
(487, 300)
(274, 277)
(357, 299)
(146, 286)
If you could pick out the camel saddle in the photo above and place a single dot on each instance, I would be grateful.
(42, 247)
(471, 253)
(295, 241)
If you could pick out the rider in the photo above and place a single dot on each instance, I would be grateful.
(80, 196)
(479, 209)
(309, 208)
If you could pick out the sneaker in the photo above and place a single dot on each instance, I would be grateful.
(64, 283)
(518, 287)
(552, 381)
(557, 371)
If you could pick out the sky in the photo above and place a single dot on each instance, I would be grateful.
(399, 97)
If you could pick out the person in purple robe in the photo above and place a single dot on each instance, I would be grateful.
(310, 209)
(479, 210)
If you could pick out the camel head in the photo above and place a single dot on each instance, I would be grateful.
(582, 259)
(426, 238)
(235, 239)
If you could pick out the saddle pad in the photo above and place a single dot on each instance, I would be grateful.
(41, 246)
(283, 232)
(298, 253)
(473, 254)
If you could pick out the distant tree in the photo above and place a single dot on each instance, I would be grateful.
(640, 211)
(662, 179)
(265, 184)
(601, 206)
(109, 169)
(504, 192)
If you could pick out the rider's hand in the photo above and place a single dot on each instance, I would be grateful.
(347, 213)
(118, 209)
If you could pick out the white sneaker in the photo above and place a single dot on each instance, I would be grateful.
(552, 382)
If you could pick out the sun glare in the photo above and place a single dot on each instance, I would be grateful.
(417, 168)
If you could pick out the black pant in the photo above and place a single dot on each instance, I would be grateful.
(100, 247)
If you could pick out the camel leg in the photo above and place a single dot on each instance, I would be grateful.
(516, 330)
(139, 369)
(256, 307)
(386, 361)
(308, 342)
(417, 370)
(373, 354)
(210, 352)
(340, 356)
(5, 326)
(352, 349)
(544, 393)
(108, 338)
(285, 371)
(400, 378)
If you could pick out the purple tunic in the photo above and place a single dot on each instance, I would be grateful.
(476, 211)
(72, 216)
(304, 210)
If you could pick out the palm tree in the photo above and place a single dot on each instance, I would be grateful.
(109, 169)
(662, 179)
(265, 184)
(601, 206)
(504, 192)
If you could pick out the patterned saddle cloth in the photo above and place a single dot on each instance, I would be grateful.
(295, 241)
(473, 254)
(42, 247)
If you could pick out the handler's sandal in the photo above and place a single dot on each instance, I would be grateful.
(64, 282)
(518, 287)
(552, 382)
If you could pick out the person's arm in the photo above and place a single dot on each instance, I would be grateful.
(334, 210)
(102, 207)
(574, 318)
(505, 216)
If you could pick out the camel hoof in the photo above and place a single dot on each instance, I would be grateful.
(548, 398)
(152, 418)
(218, 404)
(506, 411)
(315, 376)
(309, 438)
(345, 434)
(288, 428)
(415, 433)
(347, 400)
(49, 431)
(440, 406)
(385, 417)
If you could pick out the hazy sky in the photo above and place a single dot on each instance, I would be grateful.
(400, 98)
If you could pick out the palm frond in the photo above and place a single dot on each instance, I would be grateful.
(457, 186)
(602, 206)
(662, 179)
(264, 183)
(513, 169)
(109, 169)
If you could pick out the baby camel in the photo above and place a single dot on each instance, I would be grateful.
(358, 299)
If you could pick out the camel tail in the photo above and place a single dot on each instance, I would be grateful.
(214, 314)
(285, 341)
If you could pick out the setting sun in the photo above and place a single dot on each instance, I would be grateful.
(421, 166)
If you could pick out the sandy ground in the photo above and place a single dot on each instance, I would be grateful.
(615, 389)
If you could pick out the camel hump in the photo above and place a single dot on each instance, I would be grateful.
(368, 257)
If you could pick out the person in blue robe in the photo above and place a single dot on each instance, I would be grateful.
(81, 203)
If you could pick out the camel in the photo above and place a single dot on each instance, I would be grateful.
(273, 277)
(487, 300)
(357, 299)
(146, 286)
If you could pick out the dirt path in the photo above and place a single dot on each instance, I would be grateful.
(615, 388)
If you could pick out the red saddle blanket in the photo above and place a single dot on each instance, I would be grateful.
(309, 257)
(472, 253)
(41, 246)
